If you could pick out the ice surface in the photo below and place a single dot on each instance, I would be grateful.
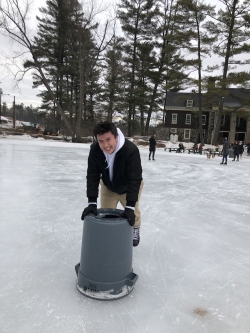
(193, 261)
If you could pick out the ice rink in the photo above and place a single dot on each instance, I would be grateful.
(193, 260)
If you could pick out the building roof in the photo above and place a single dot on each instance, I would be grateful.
(235, 98)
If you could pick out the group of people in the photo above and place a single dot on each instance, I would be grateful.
(238, 149)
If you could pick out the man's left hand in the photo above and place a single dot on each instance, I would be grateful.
(129, 214)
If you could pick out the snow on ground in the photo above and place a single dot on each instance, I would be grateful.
(193, 261)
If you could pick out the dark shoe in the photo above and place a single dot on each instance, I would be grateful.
(221, 163)
(149, 159)
(153, 159)
(233, 160)
(136, 236)
(225, 163)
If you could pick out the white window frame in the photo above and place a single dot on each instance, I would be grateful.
(187, 133)
(204, 119)
(188, 119)
(190, 103)
(222, 120)
(173, 130)
(174, 118)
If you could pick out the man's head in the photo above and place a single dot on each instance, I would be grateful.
(106, 135)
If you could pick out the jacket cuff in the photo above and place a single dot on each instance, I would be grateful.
(92, 199)
(131, 203)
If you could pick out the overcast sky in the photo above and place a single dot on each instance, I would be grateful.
(25, 93)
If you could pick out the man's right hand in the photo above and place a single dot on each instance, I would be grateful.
(91, 209)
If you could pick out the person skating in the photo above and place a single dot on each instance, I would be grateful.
(152, 146)
(115, 163)
(236, 148)
(241, 149)
(225, 151)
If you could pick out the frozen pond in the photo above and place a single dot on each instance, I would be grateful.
(193, 261)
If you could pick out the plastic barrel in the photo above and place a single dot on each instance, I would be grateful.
(105, 269)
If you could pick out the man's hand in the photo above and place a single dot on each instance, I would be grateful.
(91, 209)
(129, 214)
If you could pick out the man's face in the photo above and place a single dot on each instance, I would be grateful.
(107, 142)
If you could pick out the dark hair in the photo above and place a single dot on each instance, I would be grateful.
(105, 127)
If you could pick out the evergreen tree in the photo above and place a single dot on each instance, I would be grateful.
(196, 42)
(169, 64)
(232, 25)
(111, 96)
(137, 21)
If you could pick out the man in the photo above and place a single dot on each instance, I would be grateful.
(152, 145)
(115, 163)
(225, 151)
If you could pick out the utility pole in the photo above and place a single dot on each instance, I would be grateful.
(1, 92)
(14, 112)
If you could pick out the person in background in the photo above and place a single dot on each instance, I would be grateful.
(181, 148)
(115, 163)
(241, 149)
(200, 148)
(152, 147)
(236, 148)
(225, 151)
(248, 148)
(195, 146)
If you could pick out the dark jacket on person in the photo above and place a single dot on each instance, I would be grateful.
(225, 147)
(127, 172)
(241, 149)
(236, 149)
(152, 143)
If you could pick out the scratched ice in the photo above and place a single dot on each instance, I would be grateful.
(193, 261)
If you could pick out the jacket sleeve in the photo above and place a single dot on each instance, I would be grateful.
(93, 178)
(134, 177)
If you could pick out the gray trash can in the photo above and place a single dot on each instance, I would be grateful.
(231, 153)
(105, 269)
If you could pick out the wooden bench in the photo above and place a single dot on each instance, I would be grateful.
(171, 149)
(195, 151)
(216, 152)
(177, 150)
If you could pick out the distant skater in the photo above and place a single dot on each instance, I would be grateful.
(152, 146)
(241, 149)
(225, 151)
(236, 148)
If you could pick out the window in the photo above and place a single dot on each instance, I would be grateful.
(173, 130)
(188, 119)
(204, 119)
(174, 118)
(187, 133)
(237, 121)
(190, 103)
(222, 120)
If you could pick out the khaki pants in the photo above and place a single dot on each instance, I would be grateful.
(110, 199)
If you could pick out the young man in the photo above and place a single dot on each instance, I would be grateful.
(115, 163)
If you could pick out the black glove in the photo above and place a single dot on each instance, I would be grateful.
(129, 214)
(91, 209)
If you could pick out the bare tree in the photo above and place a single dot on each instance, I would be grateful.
(14, 24)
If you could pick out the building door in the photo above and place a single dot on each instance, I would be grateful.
(240, 136)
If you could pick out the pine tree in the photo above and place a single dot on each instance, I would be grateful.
(111, 97)
(232, 25)
(137, 24)
(196, 42)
